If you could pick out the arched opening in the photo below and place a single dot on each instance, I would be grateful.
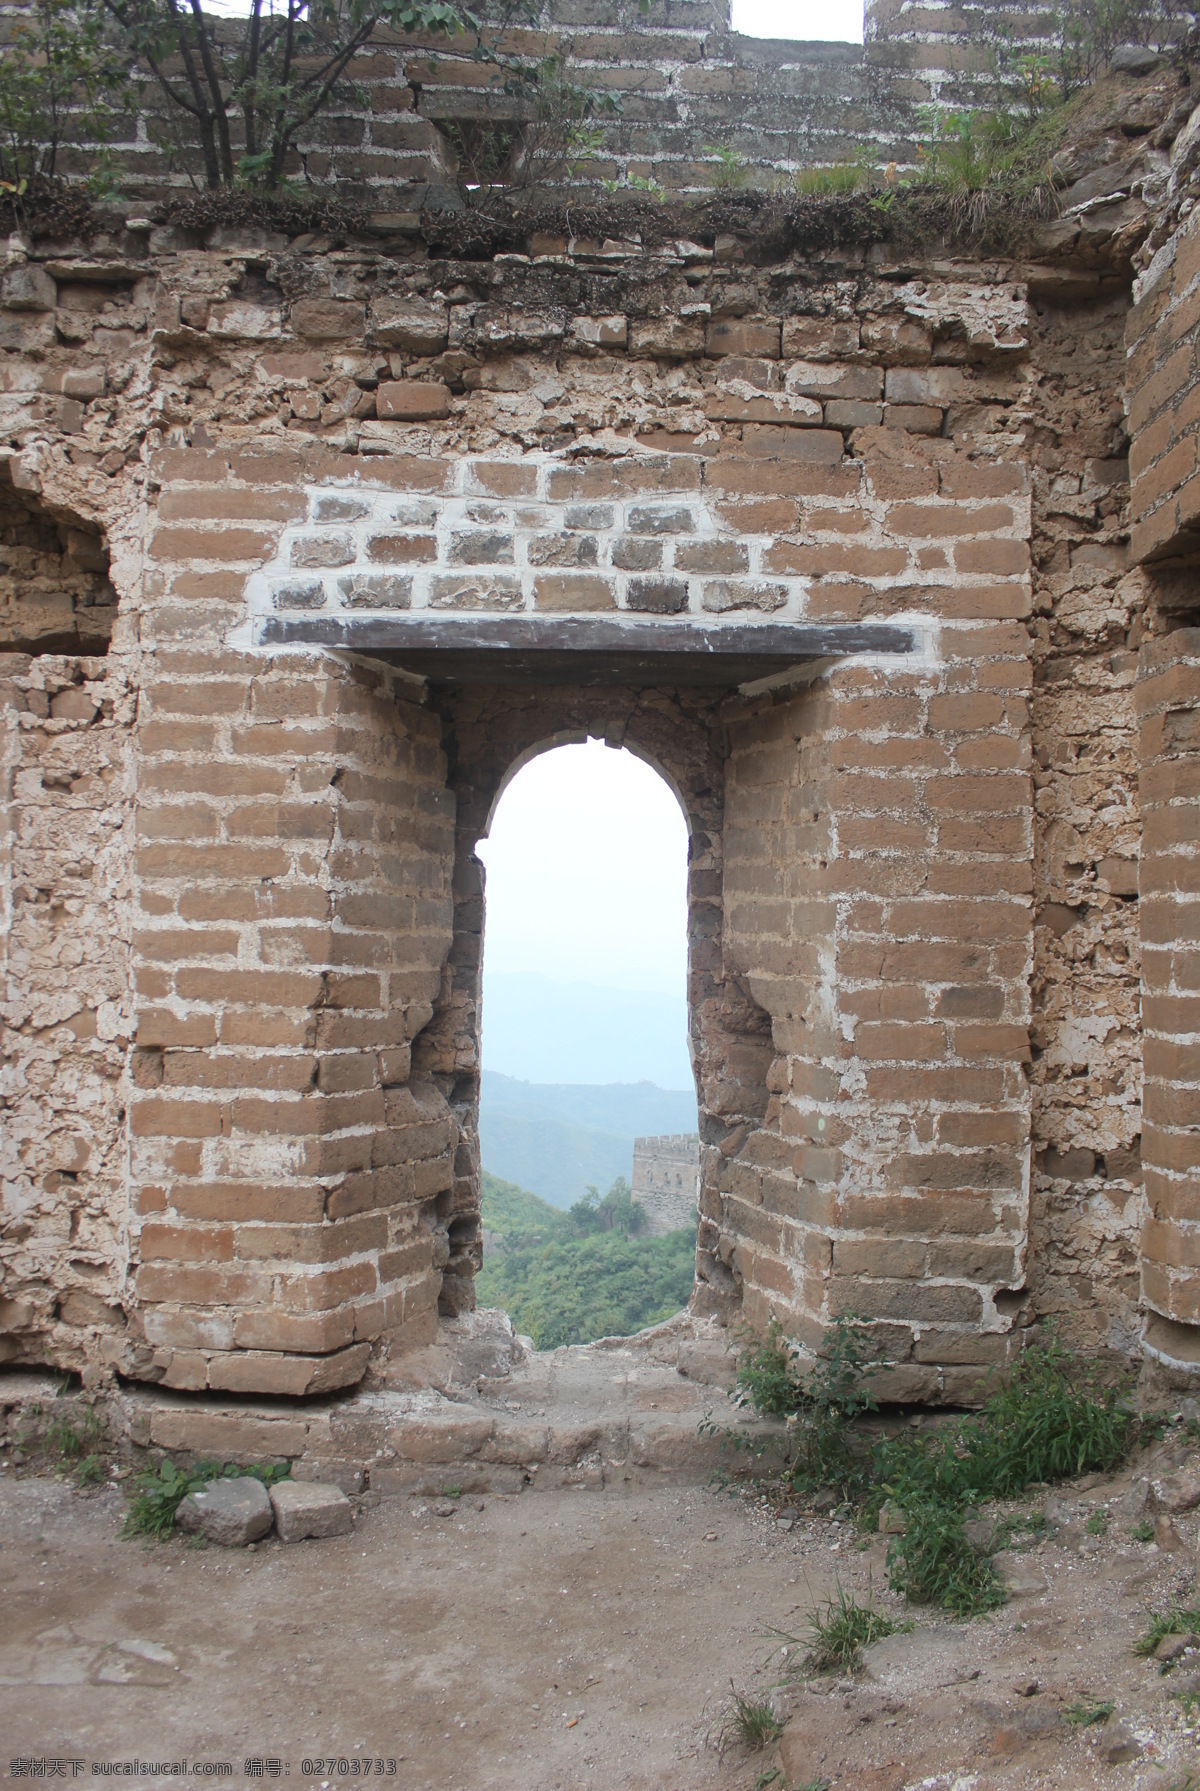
(588, 1131)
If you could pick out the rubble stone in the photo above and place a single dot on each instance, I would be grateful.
(229, 1512)
(310, 1508)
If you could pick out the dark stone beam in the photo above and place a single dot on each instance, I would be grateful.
(582, 649)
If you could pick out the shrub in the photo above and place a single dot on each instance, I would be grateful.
(57, 76)
(273, 71)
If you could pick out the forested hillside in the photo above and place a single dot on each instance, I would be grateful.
(556, 1139)
(570, 1277)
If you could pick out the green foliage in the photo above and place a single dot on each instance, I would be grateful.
(264, 78)
(731, 170)
(934, 1562)
(1097, 1524)
(161, 1491)
(968, 151)
(842, 1630)
(572, 1277)
(578, 1289)
(1049, 1420)
(90, 1471)
(751, 1722)
(1085, 1712)
(617, 1211)
(1052, 1419)
(516, 1215)
(1143, 1531)
(58, 77)
(1086, 33)
(1176, 1620)
(73, 1436)
(820, 1403)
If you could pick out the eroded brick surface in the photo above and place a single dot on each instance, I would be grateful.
(247, 915)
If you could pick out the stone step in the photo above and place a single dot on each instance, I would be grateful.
(648, 1409)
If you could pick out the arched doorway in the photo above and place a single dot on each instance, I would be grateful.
(587, 1079)
(489, 734)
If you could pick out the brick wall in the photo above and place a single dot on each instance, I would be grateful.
(1168, 705)
(307, 933)
(682, 80)
(293, 912)
(878, 876)
(1163, 402)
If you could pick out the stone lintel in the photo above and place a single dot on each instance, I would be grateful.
(585, 649)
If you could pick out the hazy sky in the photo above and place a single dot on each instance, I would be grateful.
(587, 873)
(838, 19)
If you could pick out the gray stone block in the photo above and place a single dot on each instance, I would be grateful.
(28, 288)
(310, 1508)
(229, 1512)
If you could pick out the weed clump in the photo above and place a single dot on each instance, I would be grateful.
(752, 1722)
(933, 1561)
(1050, 1420)
(161, 1491)
(842, 1630)
(819, 1405)
(1174, 1621)
(1084, 1713)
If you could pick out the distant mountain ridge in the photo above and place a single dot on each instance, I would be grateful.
(557, 1139)
(551, 1033)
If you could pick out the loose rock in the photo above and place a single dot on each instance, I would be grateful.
(310, 1508)
(1020, 1578)
(229, 1512)
(1167, 1536)
(1118, 1745)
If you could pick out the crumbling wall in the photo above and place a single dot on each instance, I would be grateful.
(67, 1009)
(309, 436)
(1088, 619)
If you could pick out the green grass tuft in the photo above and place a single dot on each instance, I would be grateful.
(842, 1630)
(1085, 1713)
(753, 1723)
(1176, 1620)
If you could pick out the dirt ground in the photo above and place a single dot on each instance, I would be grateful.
(555, 1640)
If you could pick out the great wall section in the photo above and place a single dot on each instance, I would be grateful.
(311, 538)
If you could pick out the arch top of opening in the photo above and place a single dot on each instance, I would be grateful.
(800, 21)
(581, 737)
(587, 891)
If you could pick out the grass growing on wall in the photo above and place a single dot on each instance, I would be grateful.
(575, 1276)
